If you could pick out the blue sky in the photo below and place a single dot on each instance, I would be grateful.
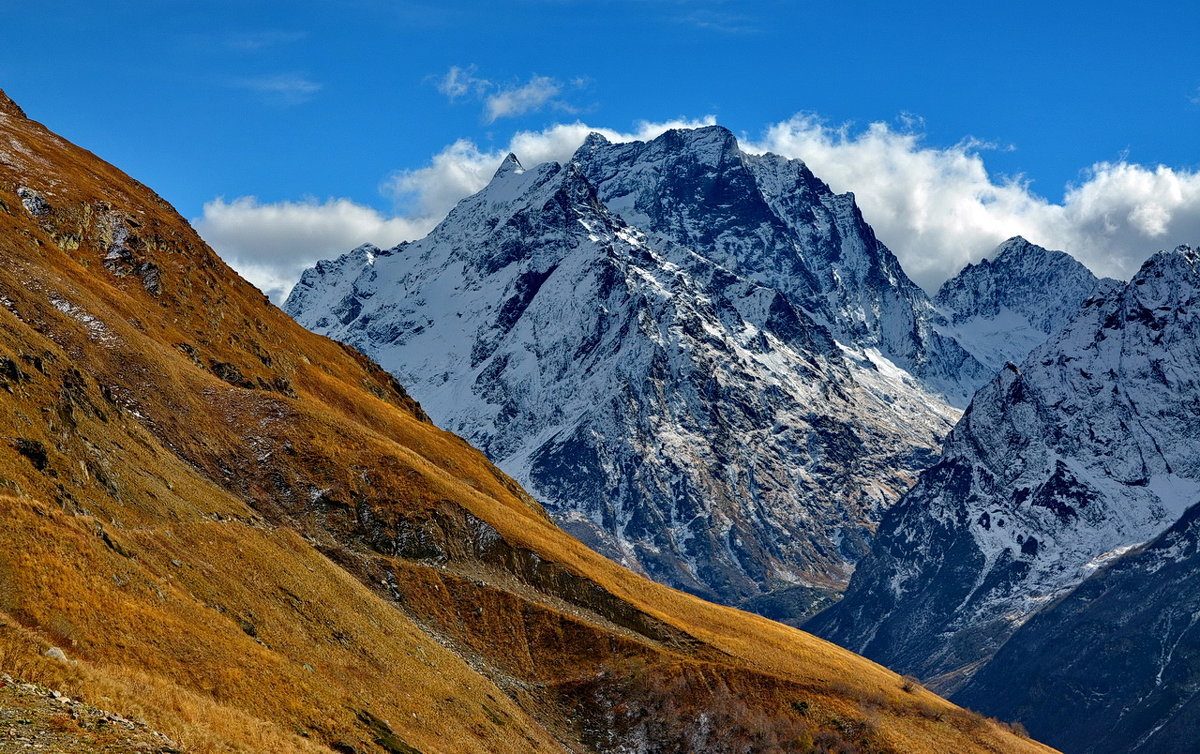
(311, 101)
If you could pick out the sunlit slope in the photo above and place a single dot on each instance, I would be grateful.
(252, 537)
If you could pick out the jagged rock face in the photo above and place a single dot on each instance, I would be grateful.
(679, 414)
(772, 221)
(1114, 666)
(1004, 307)
(1090, 447)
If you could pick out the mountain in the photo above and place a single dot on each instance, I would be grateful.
(706, 394)
(770, 220)
(1002, 308)
(1089, 448)
(1113, 666)
(252, 538)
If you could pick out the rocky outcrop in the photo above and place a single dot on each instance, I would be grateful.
(10, 108)
(36, 718)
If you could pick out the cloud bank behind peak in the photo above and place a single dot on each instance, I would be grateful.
(937, 208)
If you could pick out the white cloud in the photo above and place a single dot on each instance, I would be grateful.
(939, 208)
(535, 95)
(284, 88)
(506, 101)
(460, 81)
(271, 244)
(459, 170)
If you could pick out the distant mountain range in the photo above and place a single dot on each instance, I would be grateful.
(1030, 567)
(711, 370)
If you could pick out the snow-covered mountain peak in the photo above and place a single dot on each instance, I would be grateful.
(707, 145)
(771, 220)
(313, 291)
(364, 253)
(1003, 307)
(595, 139)
(1168, 279)
(1020, 276)
(510, 206)
(1016, 245)
(640, 336)
(1018, 253)
(510, 164)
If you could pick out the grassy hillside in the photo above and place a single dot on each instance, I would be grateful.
(251, 537)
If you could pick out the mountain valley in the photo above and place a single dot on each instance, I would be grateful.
(712, 372)
(253, 539)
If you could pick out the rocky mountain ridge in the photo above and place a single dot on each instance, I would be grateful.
(1088, 449)
(1112, 666)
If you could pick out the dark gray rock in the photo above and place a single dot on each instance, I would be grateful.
(1114, 666)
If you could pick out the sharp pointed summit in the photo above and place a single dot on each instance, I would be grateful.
(1014, 245)
(595, 139)
(509, 166)
(1003, 307)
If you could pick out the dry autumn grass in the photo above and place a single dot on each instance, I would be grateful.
(250, 537)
